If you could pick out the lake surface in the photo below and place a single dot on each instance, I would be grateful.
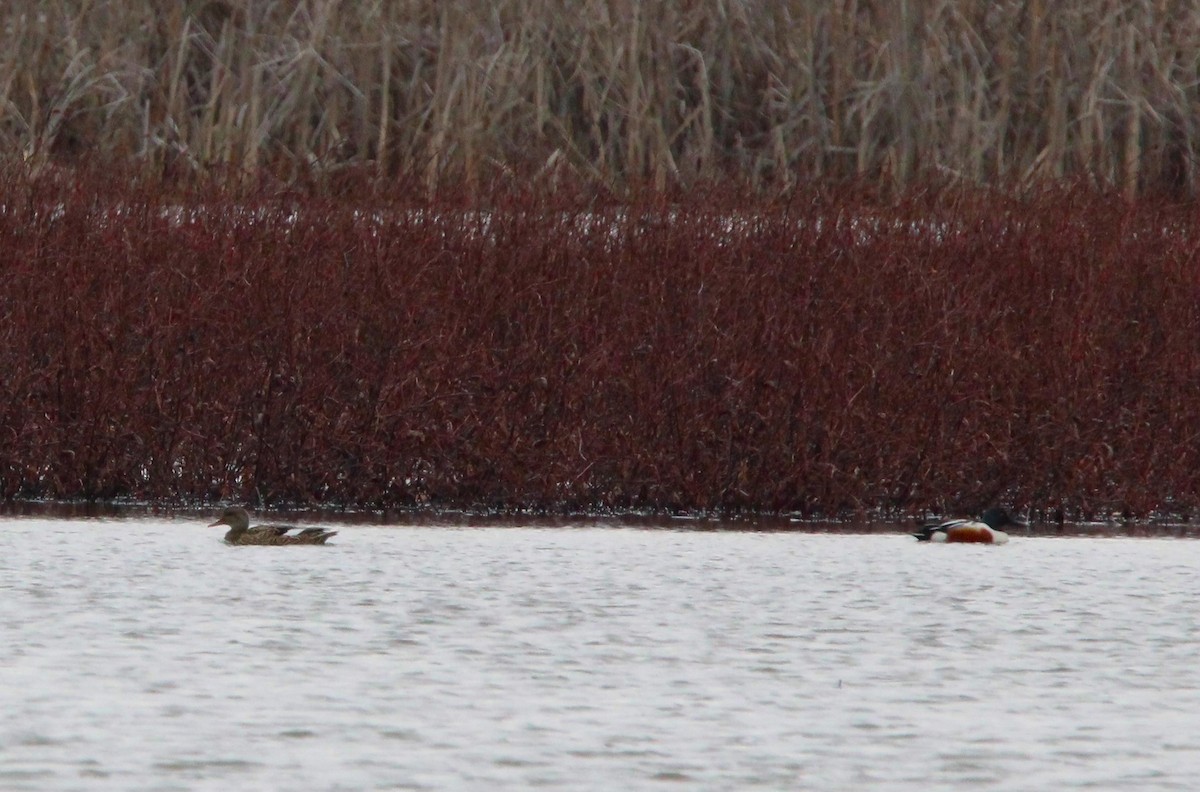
(147, 655)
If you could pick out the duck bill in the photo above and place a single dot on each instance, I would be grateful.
(218, 522)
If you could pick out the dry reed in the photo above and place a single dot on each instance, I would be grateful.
(666, 92)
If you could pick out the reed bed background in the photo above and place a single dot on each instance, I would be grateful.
(613, 91)
(560, 351)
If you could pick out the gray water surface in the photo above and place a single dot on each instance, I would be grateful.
(147, 655)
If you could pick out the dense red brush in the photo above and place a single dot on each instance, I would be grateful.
(561, 351)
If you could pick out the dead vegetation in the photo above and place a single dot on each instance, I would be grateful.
(617, 92)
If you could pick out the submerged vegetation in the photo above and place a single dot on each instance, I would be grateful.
(558, 350)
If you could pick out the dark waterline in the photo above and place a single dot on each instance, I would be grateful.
(459, 519)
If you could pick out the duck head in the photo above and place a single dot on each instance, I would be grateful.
(997, 519)
(235, 517)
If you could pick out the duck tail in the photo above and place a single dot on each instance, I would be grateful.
(315, 535)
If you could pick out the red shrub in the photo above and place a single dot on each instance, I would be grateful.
(569, 352)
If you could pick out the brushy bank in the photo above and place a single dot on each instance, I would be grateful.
(556, 350)
(615, 91)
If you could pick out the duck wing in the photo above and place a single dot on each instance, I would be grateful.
(281, 535)
(272, 530)
(315, 535)
(927, 531)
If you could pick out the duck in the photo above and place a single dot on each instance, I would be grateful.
(985, 530)
(240, 532)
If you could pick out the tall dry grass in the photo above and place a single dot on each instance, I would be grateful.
(668, 91)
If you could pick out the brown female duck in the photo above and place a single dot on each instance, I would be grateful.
(240, 532)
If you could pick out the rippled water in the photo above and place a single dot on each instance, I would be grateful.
(138, 655)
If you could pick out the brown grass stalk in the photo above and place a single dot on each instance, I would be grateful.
(667, 93)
